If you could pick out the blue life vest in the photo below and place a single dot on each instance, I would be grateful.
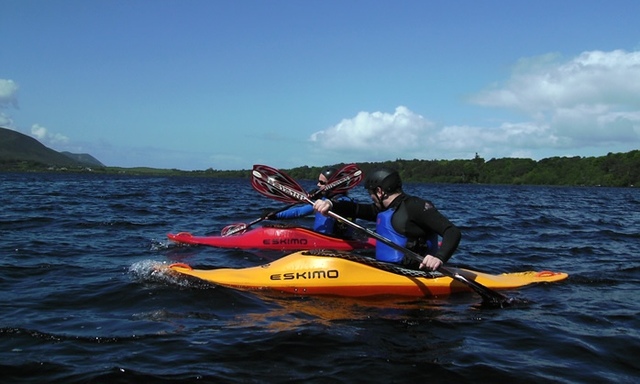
(323, 224)
(390, 255)
(331, 226)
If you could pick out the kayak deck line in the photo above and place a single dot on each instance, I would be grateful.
(389, 267)
(366, 260)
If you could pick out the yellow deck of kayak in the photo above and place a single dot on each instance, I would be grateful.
(340, 274)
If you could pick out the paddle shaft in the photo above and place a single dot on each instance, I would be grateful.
(293, 191)
(241, 227)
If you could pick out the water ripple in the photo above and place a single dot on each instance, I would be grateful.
(87, 295)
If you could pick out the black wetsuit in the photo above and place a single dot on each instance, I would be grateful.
(414, 218)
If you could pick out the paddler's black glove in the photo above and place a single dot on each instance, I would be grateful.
(269, 215)
(313, 192)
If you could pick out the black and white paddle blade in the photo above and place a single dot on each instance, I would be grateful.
(234, 229)
(276, 185)
(346, 178)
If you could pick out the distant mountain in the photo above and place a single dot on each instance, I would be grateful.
(84, 158)
(16, 147)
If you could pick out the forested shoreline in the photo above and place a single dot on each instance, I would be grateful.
(612, 170)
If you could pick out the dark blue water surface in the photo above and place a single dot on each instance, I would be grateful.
(80, 301)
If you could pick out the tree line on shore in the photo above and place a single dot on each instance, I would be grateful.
(612, 170)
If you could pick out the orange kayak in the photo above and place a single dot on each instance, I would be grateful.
(342, 274)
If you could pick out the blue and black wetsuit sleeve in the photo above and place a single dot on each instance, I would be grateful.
(292, 213)
(348, 208)
(423, 217)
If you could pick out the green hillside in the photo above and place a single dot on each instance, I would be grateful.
(19, 151)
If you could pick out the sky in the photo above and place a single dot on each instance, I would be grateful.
(199, 84)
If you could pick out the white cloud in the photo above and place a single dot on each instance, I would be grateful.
(541, 84)
(9, 97)
(376, 131)
(38, 131)
(49, 139)
(573, 106)
(505, 140)
(5, 121)
(592, 100)
(8, 93)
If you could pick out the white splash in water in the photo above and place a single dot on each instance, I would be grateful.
(153, 271)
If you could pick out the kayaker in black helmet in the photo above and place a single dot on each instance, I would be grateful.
(409, 221)
(322, 223)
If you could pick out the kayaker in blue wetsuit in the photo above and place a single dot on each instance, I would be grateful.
(409, 221)
(322, 223)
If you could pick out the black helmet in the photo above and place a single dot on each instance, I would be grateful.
(385, 178)
(328, 172)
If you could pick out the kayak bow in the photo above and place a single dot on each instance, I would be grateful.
(321, 272)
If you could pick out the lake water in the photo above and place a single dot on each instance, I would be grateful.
(80, 302)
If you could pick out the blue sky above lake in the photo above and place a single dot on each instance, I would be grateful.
(193, 84)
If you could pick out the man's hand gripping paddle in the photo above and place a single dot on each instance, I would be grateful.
(341, 181)
(279, 186)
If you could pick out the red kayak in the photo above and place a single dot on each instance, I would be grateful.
(275, 238)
